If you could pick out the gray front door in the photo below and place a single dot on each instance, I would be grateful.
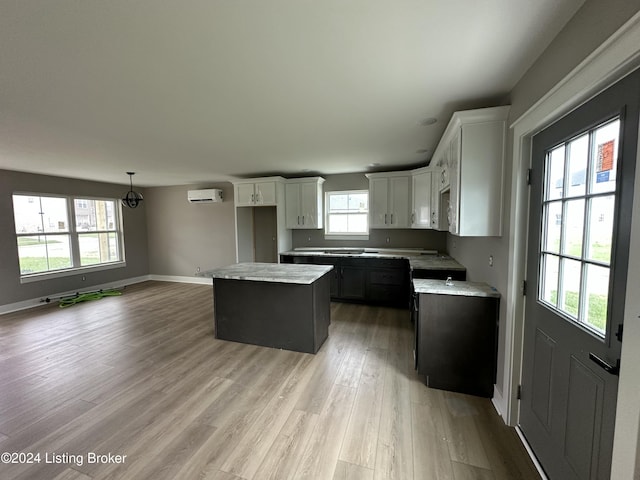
(580, 216)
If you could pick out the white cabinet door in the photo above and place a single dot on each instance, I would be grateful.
(265, 193)
(379, 202)
(303, 202)
(444, 170)
(244, 195)
(438, 208)
(399, 188)
(292, 205)
(421, 200)
(310, 205)
(454, 182)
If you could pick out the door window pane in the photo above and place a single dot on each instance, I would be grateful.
(573, 228)
(578, 155)
(553, 227)
(604, 162)
(555, 173)
(549, 287)
(597, 292)
(600, 228)
(570, 287)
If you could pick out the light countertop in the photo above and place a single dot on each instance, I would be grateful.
(466, 289)
(418, 259)
(270, 272)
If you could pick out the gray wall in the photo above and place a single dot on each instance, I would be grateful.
(395, 238)
(135, 237)
(590, 27)
(594, 22)
(184, 236)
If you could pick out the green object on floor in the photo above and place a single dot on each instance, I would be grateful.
(85, 297)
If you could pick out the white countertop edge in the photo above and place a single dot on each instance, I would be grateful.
(270, 272)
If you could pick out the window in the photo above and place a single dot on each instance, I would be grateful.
(97, 234)
(347, 214)
(49, 242)
(578, 220)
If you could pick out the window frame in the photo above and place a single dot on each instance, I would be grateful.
(589, 196)
(328, 213)
(74, 234)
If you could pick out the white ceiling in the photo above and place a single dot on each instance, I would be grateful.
(198, 91)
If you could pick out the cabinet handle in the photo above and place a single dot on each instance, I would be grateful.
(298, 219)
(385, 218)
(391, 222)
(413, 218)
(303, 220)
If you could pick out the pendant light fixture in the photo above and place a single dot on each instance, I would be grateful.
(132, 199)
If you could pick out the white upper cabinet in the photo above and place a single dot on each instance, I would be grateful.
(421, 208)
(303, 203)
(473, 146)
(438, 206)
(389, 199)
(255, 192)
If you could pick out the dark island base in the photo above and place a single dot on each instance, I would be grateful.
(279, 315)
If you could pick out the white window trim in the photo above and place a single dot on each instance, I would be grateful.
(342, 235)
(74, 234)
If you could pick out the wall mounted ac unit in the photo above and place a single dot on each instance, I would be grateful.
(209, 195)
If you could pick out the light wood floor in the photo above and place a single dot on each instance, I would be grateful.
(141, 375)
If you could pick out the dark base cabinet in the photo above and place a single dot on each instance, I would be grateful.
(456, 342)
(376, 281)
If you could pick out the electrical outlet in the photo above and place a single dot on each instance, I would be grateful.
(198, 269)
(491, 260)
(388, 239)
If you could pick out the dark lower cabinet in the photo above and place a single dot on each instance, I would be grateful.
(352, 285)
(367, 280)
(456, 342)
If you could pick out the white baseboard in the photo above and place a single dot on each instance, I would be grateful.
(36, 302)
(181, 279)
(498, 402)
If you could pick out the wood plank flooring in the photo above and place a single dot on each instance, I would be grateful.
(142, 376)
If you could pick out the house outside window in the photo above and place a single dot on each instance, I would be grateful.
(347, 215)
(58, 235)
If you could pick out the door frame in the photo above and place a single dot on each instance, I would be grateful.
(616, 57)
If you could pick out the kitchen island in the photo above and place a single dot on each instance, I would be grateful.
(273, 305)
